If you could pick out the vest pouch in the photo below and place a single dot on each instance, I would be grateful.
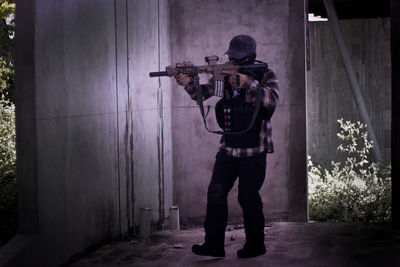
(241, 115)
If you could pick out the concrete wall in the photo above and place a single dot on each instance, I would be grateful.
(77, 137)
(97, 139)
(94, 143)
(329, 95)
(149, 50)
(201, 28)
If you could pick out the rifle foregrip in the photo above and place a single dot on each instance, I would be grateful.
(158, 74)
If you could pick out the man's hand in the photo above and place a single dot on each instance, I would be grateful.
(238, 80)
(183, 79)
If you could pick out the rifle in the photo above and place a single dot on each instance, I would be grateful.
(212, 68)
(217, 71)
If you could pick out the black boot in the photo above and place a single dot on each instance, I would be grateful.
(208, 250)
(249, 251)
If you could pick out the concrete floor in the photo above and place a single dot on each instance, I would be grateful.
(288, 244)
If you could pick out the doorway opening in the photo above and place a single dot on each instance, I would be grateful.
(346, 181)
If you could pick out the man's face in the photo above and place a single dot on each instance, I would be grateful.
(237, 61)
(242, 61)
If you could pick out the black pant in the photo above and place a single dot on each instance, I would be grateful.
(251, 172)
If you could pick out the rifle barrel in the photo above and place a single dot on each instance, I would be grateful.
(158, 74)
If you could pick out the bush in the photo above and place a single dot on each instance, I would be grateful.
(355, 189)
(7, 25)
(8, 190)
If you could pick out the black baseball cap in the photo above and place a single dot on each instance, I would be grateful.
(241, 46)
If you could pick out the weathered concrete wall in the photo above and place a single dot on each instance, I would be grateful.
(77, 138)
(94, 134)
(329, 95)
(98, 139)
(201, 28)
(149, 50)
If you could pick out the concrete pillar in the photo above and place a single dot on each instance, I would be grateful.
(23, 249)
(395, 47)
(26, 118)
(297, 136)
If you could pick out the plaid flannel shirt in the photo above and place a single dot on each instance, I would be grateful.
(270, 94)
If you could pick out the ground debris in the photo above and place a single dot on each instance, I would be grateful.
(177, 246)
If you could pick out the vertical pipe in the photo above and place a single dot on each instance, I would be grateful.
(130, 181)
(356, 90)
(117, 104)
(160, 139)
(308, 67)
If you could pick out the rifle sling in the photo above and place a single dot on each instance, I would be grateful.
(199, 94)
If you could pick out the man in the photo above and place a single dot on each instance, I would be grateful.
(243, 155)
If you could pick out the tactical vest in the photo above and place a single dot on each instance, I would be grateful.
(234, 114)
